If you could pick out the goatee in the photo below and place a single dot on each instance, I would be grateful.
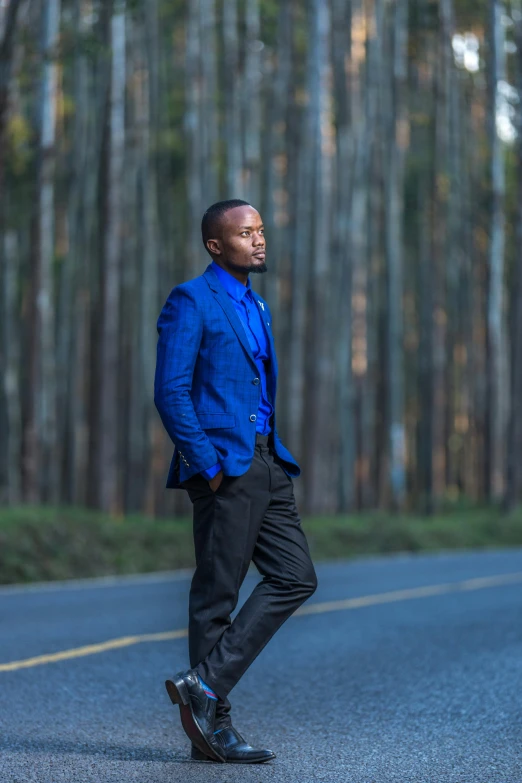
(256, 269)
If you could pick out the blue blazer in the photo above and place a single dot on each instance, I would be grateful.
(206, 387)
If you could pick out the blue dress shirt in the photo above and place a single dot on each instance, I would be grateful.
(255, 329)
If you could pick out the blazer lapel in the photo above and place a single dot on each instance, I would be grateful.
(230, 311)
(273, 359)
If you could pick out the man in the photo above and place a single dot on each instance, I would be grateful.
(215, 391)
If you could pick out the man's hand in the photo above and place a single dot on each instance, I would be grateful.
(216, 481)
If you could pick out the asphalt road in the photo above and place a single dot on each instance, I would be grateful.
(419, 681)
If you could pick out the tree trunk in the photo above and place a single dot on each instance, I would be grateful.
(302, 241)
(193, 135)
(496, 353)
(252, 105)
(320, 491)
(6, 65)
(395, 253)
(108, 484)
(45, 414)
(209, 121)
(514, 470)
(10, 330)
(10, 459)
(232, 118)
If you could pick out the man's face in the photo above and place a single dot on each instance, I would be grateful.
(241, 246)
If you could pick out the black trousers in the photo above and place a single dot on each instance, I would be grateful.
(252, 517)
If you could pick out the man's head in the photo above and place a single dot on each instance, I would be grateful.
(233, 235)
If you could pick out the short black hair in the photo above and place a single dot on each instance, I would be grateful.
(212, 218)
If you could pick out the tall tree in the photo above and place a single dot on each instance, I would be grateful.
(303, 236)
(232, 98)
(7, 41)
(193, 134)
(496, 330)
(108, 483)
(45, 413)
(74, 290)
(514, 469)
(209, 123)
(320, 494)
(399, 133)
(251, 107)
(10, 428)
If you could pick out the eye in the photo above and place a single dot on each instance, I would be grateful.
(244, 232)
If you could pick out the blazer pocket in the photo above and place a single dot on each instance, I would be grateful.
(211, 421)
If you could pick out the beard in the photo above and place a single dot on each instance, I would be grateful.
(258, 269)
(255, 268)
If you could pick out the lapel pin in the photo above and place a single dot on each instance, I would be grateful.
(262, 305)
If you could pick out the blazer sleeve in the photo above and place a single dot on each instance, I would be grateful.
(180, 328)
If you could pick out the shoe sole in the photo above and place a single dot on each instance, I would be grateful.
(200, 756)
(179, 695)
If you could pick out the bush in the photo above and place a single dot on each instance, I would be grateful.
(43, 543)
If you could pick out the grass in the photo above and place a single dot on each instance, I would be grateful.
(43, 543)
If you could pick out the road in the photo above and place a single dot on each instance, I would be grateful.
(406, 668)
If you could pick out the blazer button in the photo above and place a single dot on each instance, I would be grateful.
(253, 417)
(256, 381)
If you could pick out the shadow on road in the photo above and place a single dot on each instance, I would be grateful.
(75, 747)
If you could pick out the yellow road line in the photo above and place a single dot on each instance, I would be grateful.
(318, 608)
(92, 649)
(414, 592)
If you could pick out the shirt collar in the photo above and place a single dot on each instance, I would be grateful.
(232, 286)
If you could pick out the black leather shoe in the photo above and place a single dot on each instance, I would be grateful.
(197, 712)
(236, 749)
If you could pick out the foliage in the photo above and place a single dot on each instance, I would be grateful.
(42, 543)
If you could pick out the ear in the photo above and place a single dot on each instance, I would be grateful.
(214, 246)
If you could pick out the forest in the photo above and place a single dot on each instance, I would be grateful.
(381, 141)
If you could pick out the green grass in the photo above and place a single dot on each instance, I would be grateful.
(42, 543)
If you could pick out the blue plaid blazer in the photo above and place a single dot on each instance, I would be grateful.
(206, 388)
